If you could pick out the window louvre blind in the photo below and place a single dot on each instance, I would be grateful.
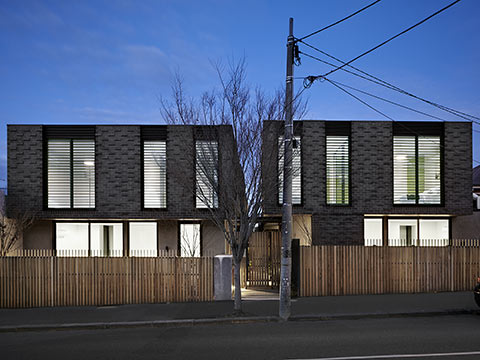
(83, 173)
(404, 170)
(206, 170)
(155, 174)
(338, 168)
(429, 176)
(63, 176)
(417, 170)
(58, 165)
(296, 170)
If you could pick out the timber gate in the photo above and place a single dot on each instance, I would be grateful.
(263, 259)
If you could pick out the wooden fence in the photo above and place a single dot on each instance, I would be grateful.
(353, 270)
(76, 281)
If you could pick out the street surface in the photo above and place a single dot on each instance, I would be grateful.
(450, 337)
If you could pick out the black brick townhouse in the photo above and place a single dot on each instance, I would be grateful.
(119, 189)
(375, 182)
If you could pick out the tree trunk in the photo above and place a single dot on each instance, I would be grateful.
(237, 307)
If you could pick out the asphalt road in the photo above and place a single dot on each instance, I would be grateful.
(292, 340)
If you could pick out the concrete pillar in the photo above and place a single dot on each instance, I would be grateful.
(222, 277)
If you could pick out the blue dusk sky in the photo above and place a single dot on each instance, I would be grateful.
(106, 62)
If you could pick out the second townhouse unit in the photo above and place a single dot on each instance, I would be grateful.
(373, 182)
(116, 190)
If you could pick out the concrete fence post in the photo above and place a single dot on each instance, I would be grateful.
(222, 277)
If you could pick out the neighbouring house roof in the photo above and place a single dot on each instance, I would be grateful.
(476, 176)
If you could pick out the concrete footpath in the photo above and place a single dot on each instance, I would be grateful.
(258, 307)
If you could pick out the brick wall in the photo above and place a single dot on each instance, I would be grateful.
(118, 173)
(371, 178)
(24, 158)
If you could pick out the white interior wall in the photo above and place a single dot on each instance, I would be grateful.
(143, 238)
(394, 238)
(373, 232)
(72, 239)
(97, 238)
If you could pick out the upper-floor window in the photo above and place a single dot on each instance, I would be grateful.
(337, 162)
(71, 173)
(296, 170)
(155, 174)
(338, 170)
(417, 170)
(206, 174)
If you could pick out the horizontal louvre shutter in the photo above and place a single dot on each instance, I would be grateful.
(206, 170)
(155, 174)
(404, 170)
(64, 132)
(429, 176)
(58, 173)
(338, 169)
(83, 173)
(296, 171)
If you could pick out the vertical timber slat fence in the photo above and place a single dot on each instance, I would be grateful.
(356, 270)
(42, 280)
(264, 259)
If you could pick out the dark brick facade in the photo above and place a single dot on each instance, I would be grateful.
(118, 173)
(371, 177)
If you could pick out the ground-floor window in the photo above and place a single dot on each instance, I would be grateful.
(407, 232)
(106, 239)
(373, 232)
(89, 239)
(72, 239)
(190, 244)
(143, 238)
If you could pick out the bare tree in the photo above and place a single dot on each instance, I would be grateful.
(190, 241)
(304, 225)
(234, 198)
(12, 229)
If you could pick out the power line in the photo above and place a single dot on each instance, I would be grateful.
(378, 81)
(386, 100)
(358, 99)
(392, 38)
(372, 95)
(339, 21)
(390, 85)
(374, 109)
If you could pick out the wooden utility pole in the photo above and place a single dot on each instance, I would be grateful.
(286, 262)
